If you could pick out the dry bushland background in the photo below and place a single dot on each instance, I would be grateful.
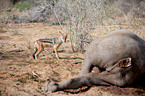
(25, 21)
(79, 17)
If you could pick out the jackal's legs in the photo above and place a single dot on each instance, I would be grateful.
(55, 49)
(39, 48)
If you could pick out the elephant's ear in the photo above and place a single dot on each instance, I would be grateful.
(126, 62)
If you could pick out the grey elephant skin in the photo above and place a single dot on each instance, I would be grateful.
(102, 63)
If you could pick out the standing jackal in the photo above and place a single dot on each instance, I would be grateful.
(48, 42)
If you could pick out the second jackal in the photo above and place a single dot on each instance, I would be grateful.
(40, 44)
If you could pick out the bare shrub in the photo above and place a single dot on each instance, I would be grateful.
(81, 16)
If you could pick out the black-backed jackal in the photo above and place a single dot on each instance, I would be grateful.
(48, 42)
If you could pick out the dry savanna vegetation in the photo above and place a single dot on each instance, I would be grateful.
(21, 25)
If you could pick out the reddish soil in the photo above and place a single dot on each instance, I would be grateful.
(18, 68)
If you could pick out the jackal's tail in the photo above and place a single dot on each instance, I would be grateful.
(35, 50)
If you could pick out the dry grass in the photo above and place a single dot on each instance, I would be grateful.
(137, 26)
(17, 65)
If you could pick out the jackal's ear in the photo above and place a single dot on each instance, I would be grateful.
(125, 62)
(67, 33)
(60, 32)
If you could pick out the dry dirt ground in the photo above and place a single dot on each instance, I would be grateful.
(21, 75)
